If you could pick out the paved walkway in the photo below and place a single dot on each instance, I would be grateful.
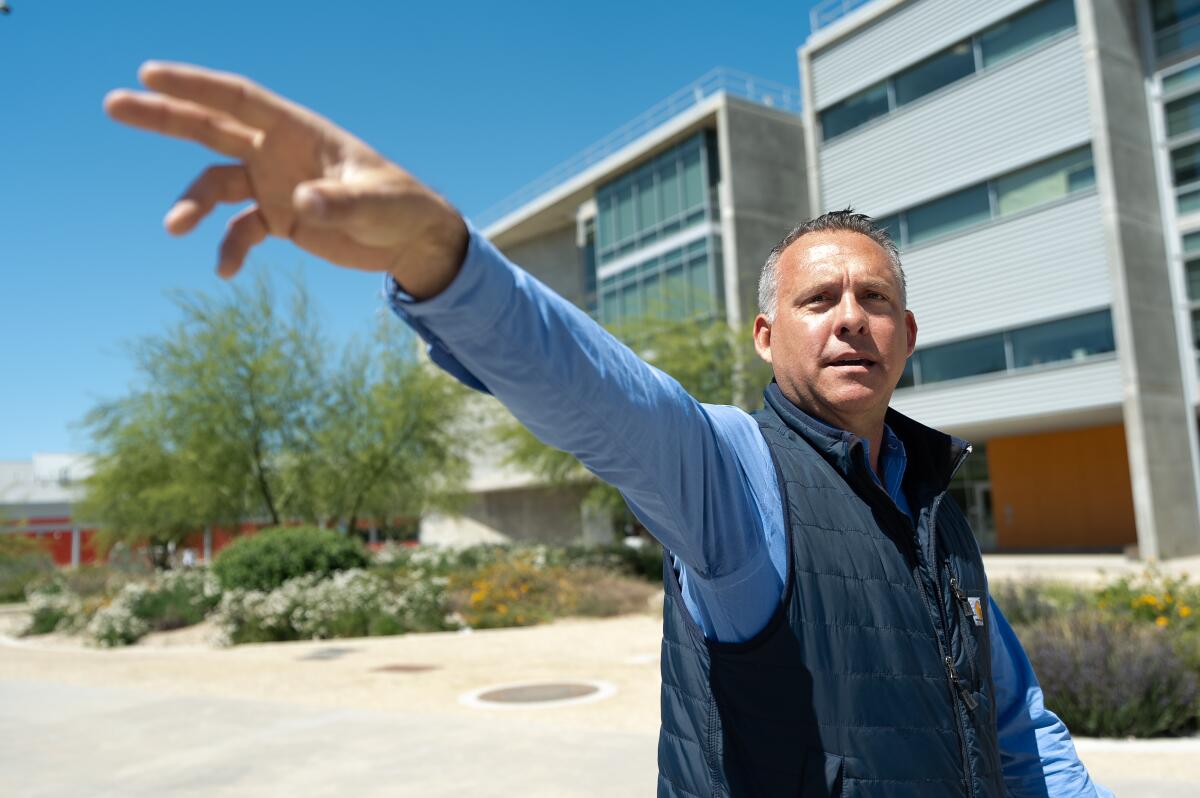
(320, 719)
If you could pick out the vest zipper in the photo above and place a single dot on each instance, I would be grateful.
(968, 612)
(957, 690)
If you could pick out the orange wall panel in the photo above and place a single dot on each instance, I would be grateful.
(1062, 490)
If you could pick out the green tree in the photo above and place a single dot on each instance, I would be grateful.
(240, 414)
(387, 441)
(713, 362)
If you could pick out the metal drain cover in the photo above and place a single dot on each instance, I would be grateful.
(538, 693)
(532, 695)
(404, 668)
(329, 652)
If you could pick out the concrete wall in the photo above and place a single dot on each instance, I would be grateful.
(531, 515)
(554, 259)
(1159, 424)
(764, 194)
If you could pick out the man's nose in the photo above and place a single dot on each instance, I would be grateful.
(852, 318)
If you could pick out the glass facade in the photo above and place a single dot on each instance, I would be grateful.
(971, 488)
(1045, 182)
(990, 47)
(1029, 187)
(1027, 29)
(1076, 338)
(965, 208)
(1176, 26)
(678, 284)
(658, 199)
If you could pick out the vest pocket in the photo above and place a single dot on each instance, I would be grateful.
(971, 607)
(823, 775)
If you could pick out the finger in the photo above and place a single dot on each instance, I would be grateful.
(223, 183)
(246, 230)
(232, 94)
(183, 120)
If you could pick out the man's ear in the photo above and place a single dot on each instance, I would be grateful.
(910, 324)
(762, 337)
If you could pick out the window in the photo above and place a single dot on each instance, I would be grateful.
(995, 45)
(854, 111)
(1193, 280)
(1196, 329)
(961, 209)
(1181, 79)
(1185, 164)
(892, 225)
(908, 378)
(934, 73)
(963, 359)
(1183, 115)
(1191, 243)
(1176, 25)
(1189, 201)
(1172, 12)
(1045, 182)
(1017, 34)
(676, 285)
(1068, 339)
(655, 200)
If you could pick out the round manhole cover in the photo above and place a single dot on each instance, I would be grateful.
(405, 668)
(538, 694)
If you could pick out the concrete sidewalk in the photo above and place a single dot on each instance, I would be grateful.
(322, 719)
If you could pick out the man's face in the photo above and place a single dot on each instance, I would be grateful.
(841, 334)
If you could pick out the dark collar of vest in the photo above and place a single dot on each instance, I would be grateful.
(933, 456)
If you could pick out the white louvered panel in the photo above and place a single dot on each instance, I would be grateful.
(1043, 392)
(1022, 111)
(898, 39)
(1011, 272)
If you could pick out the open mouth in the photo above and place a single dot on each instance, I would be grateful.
(853, 361)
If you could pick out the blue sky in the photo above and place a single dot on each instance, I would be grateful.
(475, 98)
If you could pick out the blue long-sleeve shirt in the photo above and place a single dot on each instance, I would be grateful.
(698, 476)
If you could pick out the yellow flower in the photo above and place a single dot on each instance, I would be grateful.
(503, 608)
(1161, 620)
(1103, 604)
(1185, 611)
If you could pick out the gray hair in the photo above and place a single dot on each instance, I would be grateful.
(828, 222)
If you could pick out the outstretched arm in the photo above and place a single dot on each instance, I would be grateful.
(563, 376)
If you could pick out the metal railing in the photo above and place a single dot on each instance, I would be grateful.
(740, 84)
(824, 14)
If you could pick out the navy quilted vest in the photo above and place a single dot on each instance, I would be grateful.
(874, 675)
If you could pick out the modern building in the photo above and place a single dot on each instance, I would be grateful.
(672, 213)
(1039, 163)
(37, 497)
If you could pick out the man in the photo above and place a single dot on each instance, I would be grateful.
(827, 626)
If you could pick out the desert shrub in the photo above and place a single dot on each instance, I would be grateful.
(52, 608)
(1112, 677)
(174, 599)
(600, 593)
(353, 603)
(643, 562)
(266, 560)
(1153, 597)
(1030, 602)
(520, 592)
(23, 561)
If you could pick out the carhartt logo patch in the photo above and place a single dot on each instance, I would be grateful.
(976, 609)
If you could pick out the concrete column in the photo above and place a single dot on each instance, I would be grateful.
(208, 544)
(1159, 424)
(597, 526)
(76, 547)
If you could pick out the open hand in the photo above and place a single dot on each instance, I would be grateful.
(309, 180)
